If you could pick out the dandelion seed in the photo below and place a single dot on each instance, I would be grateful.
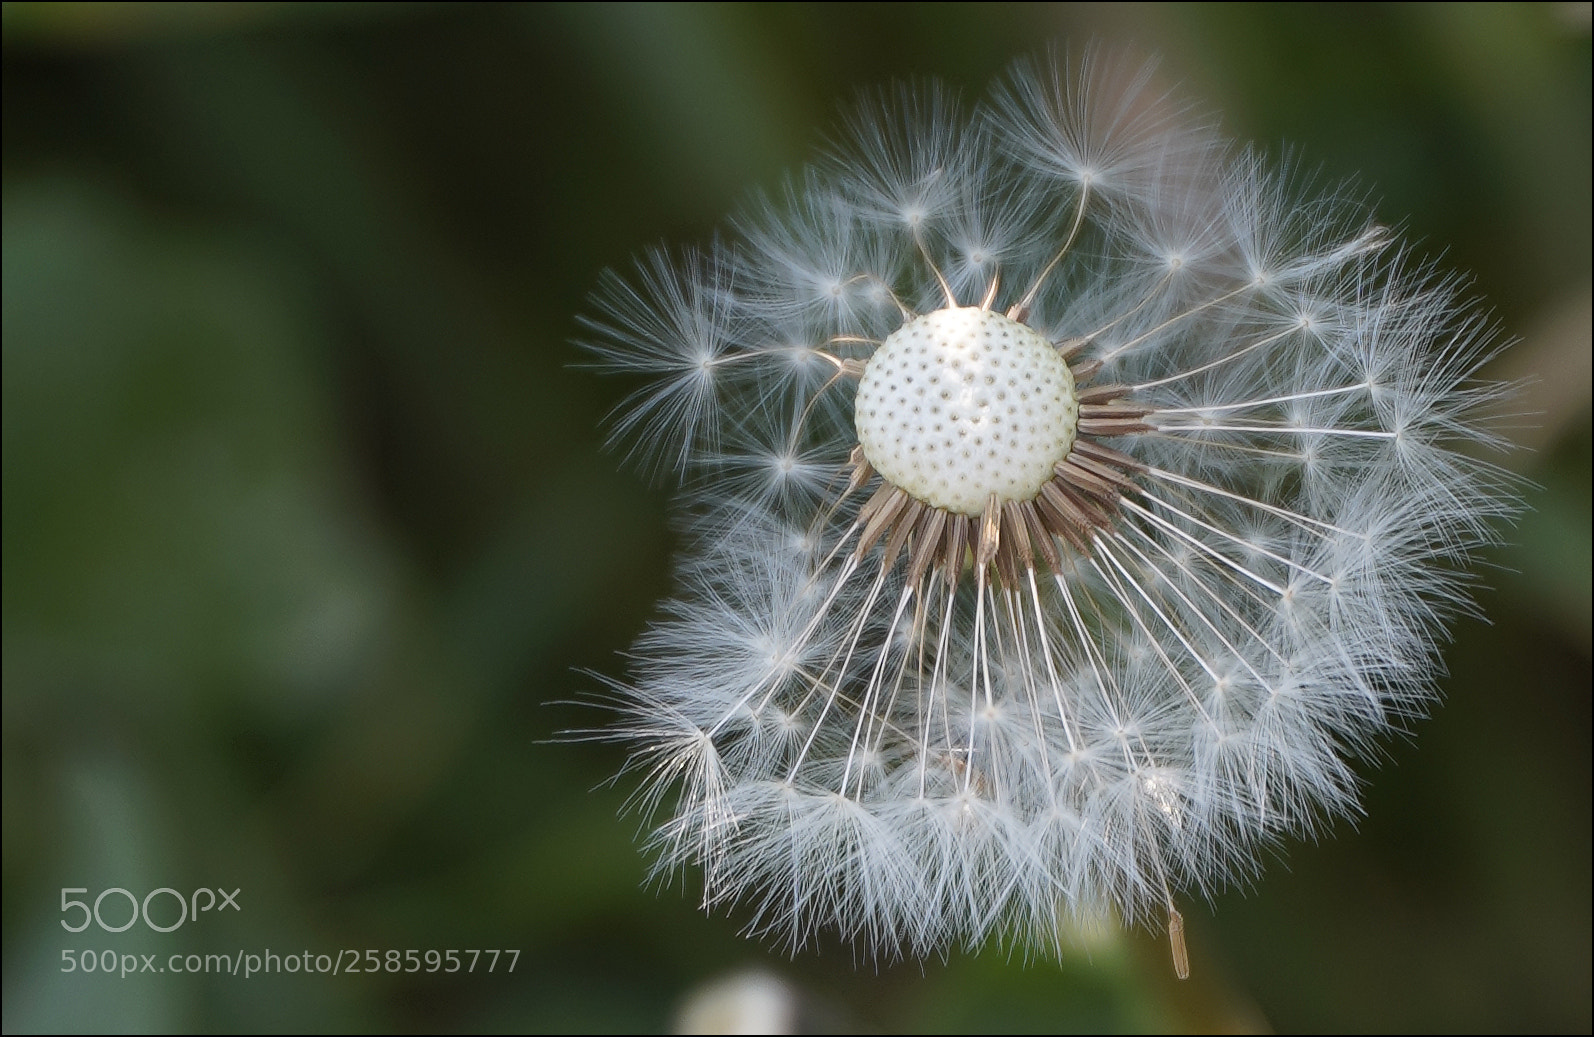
(1072, 501)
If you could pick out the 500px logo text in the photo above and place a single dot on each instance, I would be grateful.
(187, 908)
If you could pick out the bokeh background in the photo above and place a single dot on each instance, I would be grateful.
(309, 528)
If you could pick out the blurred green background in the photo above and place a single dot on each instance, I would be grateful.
(307, 517)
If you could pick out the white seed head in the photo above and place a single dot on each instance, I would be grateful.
(879, 706)
(962, 403)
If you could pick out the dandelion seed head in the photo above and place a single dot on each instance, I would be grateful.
(1072, 498)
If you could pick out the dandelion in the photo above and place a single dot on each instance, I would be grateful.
(1071, 501)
